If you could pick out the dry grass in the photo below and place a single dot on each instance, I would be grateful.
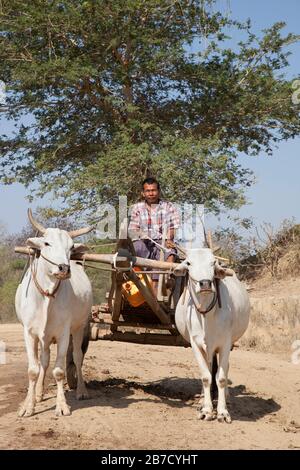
(275, 318)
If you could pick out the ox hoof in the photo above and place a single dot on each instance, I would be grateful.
(224, 416)
(62, 410)
(82, 395)
(26, 411)
(206, 415)
(39, 398)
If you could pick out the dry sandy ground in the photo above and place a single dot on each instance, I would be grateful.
(146, 397)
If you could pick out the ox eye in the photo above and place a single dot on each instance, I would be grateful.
(72, 247)
(188, 263)
(47, 244)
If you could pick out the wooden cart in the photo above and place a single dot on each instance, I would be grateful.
(152, 322)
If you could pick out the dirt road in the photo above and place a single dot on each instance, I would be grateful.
(146, 397)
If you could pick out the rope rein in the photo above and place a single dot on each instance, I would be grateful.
(43, 292)
(196, 302)
(49, 261)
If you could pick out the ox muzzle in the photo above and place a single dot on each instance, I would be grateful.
(205, 286)
(64, 272)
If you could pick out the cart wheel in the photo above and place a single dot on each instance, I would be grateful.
(94, 332)
(70, 366)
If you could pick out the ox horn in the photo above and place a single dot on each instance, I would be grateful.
(80, 231)
(34, 223)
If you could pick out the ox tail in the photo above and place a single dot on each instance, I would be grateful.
(214, 370)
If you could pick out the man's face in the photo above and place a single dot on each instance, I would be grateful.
(151, 193)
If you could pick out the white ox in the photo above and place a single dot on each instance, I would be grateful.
(209, 327)
(53, 301)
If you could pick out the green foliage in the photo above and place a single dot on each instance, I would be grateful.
(7, 297)
(18, 264)
(122, 89)
(100, 280)
(9, 278)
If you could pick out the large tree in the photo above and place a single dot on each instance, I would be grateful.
(116, 90)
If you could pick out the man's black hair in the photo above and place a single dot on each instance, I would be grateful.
(150, 180)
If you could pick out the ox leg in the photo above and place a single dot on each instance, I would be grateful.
(214, 370)
(81, 391)
(44, 364)
(223, 414)
(59, 375)
(27, 408)
(206, 410)
(226, 387)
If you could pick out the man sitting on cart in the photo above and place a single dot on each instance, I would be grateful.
(149, 220)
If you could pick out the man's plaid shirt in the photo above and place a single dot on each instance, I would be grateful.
(164, 214)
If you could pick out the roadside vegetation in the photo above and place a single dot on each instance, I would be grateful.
(267, 251)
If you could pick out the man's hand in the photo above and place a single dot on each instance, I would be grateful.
(170, 244)
(137, 235)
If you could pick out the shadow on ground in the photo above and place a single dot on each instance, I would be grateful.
(175, 392)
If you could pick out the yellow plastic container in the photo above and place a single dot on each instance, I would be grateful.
(132, 293)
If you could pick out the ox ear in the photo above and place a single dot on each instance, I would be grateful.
(35, 242)
(221, 272)
(79, 248)
(181, 269)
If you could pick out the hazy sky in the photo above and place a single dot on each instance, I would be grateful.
(276, 195)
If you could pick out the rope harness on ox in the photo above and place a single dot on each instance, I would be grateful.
(216, 295)
(45, 293)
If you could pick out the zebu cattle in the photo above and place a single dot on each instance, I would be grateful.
(211, 314)
(53, 301)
